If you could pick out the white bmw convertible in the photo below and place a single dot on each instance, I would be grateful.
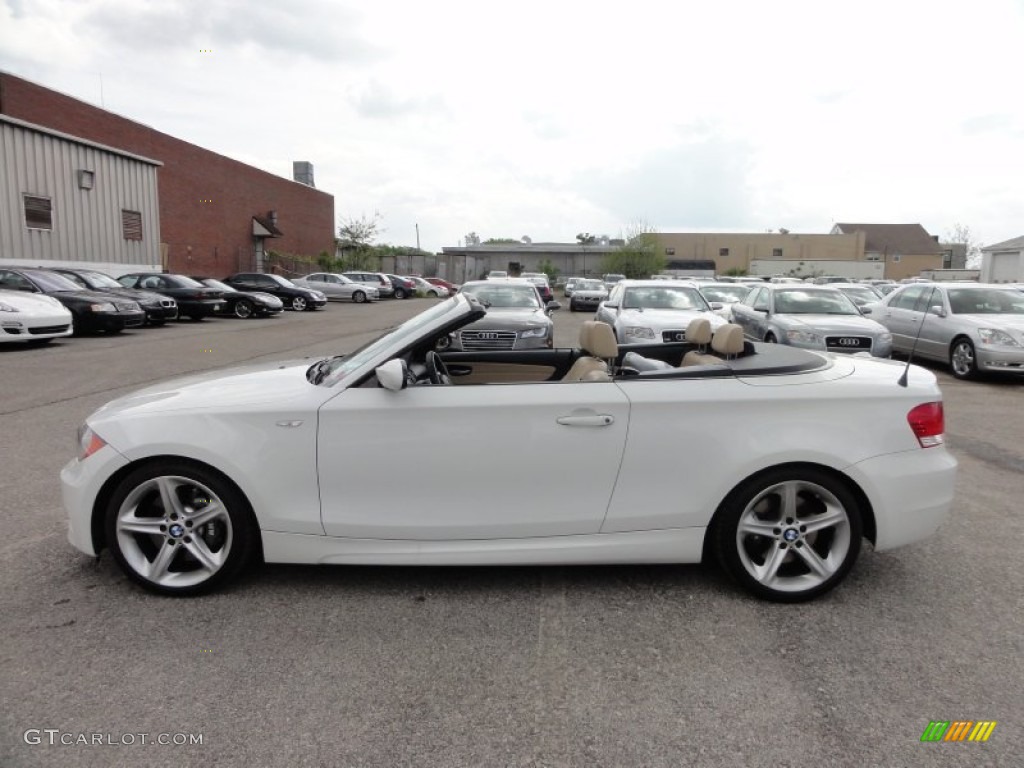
(776, 461)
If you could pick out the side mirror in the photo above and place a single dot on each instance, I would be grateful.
(717, 305)
(392, 374)
(551, 306)
(936, 309)
(611, 306)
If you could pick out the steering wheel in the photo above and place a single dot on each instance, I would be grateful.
(437, 371)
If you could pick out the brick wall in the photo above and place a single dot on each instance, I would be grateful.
(214, 237)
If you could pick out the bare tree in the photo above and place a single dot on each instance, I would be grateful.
(962, 233)
(361, 232)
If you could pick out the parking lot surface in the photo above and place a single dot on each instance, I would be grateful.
(574, 666)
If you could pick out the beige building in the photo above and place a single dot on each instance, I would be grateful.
(735, 250)
(906, 249)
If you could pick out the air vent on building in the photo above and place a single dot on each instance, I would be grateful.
(38, 212)
(131, 225)
(302, 172)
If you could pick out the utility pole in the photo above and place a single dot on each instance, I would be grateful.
(417, 236)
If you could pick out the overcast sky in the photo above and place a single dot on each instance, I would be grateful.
(551, 118)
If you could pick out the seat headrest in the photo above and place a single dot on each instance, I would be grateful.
(598, 339)
(699, 331)
(728, 340)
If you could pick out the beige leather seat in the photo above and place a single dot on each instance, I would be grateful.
(697, 332)
(726, 343)
(597, 339)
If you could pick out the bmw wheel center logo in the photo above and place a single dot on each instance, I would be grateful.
(791, 535)
(177, 530)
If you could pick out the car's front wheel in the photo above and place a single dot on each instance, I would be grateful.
(244, 308)
(399, 293)
(962, 359)
(789, 534)
(299, 304)
(178, 528)
(359, 297)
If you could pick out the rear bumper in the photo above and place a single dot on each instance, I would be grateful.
(911, 493)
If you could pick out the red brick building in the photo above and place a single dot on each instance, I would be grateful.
(216, 214)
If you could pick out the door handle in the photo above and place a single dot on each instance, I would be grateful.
(593, 420)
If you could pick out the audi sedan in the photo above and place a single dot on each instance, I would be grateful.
(642, 311)
(809, 316)
(187, 481)
(516, 318)
(973, 327)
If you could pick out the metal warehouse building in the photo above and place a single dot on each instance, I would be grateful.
(68, 200)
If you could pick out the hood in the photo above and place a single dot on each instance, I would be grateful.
(97, 297)
(833, 323)
(137, 294)
(666, 319)
(1002, 322)
(278, 383)
(31, 304)
(510, 319)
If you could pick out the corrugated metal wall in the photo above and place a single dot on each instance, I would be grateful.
(86, 222)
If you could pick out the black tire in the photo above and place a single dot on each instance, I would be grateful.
(244, 309)
(299, 303)
(38, 342)
(132, 550)
(156, 322)
(798, 561)
(435, 294)
(359, 297)
(196, 318)
(769, 338)
(963, 360)
(400, 293)
(572, 306)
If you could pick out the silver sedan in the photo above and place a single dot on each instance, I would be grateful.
(338, 287)
(971, 326)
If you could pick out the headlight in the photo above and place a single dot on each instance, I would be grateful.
(803, 337)
(997, 337)
(88, 442)
(639, 332)
(132, 307)
(533, 333)
(319, 296)
(6, 308)
(104, 307)
(885, 336)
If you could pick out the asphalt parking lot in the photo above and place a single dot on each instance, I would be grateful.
(575, 666)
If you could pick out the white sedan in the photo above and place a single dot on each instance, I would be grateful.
(775, 460)
(32, 318)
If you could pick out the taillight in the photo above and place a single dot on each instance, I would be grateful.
(928, 423)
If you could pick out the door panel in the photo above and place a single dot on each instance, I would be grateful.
(470, 462)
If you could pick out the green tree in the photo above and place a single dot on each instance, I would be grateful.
(548, 269)
(639, 257)
(501, 241)
(355, 242)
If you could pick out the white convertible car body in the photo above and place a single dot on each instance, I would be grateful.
(32, 318)
(634, 468)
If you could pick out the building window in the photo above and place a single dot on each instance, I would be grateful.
(131, 225)
(872, 257)
(723, 251)
(670, 251)
(896, 258)
(776, 253)
(38, 212)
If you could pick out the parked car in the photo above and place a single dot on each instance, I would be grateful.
(294, 297)
(497, 274)
(973, 327)
(587, 294)
(195, 300)
(404, 287)
(570, 285)
(378, 280)
(91, 311)
(450, 287)
(427, 288)
(809, 316)
(32, 318)
(611, 279)
(779, 482)
(158, 308)
(543, 286)
(644, 311)
(244, 304)
(515, 319)
(338, 287)
(724, 294)
(861, 295)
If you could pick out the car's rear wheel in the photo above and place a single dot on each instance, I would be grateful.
(178, 528)
(359, 297)
(244, 308)
(399, 293)
(790, 534)
(770, 338)
(962, 359)
(299, 303)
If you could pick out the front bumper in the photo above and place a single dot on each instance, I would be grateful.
(911, 493)
(999, 359)
(157, 312)
(113, 321)
(81, 482)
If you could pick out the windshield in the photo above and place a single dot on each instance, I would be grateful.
(180, 281)
(860, 295)
(589, 285)
(51, 281)
(809, 302)
(504, 295)
(985, 301)
(211, 283)
(340, 366)
(725, 293)
(663, 297)
(282, 281)
(103, 281)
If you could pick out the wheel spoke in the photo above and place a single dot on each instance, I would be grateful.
(832, 517)
(751, 526)
(147, 526)
(158, 568)
(169, 498)
(203, 515)
(766, 574)
(788, 500)
(211, 561)
(821, 568)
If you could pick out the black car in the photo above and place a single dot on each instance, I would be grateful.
(194, 299)
(244, 304)
(404, 287)
(292, 295)
(90, 310)
(158, 308)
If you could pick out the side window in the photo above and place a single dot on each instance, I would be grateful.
(14, 282)
(760, 297)
(74, 279)
(128, 281)
(150, 282)
(615, 297)
(317, 278)
(909, 297)
(265, 280)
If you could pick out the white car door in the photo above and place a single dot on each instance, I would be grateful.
(470, 462)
